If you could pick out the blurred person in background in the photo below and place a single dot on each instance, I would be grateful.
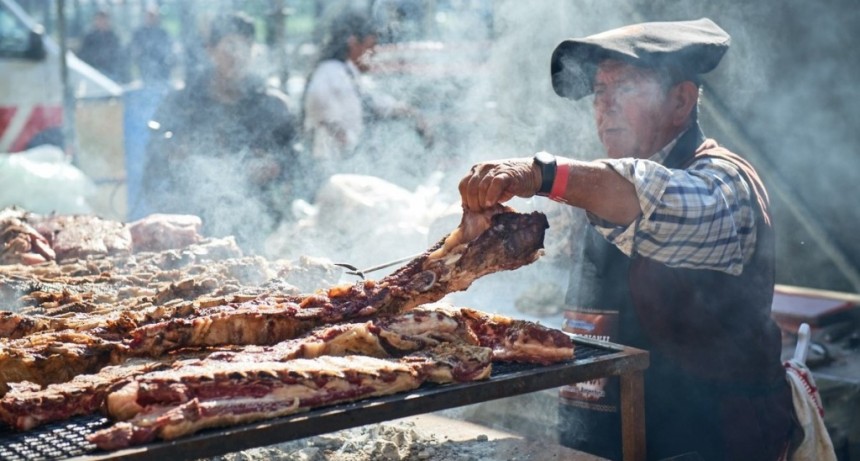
(338, 105)
(151, 49)
(222, 147)
(101, 48)
(679, 251)
(151, 52)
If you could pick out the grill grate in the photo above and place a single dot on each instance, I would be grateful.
(67, 439)
(60, 440)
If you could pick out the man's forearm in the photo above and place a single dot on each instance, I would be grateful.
(599, 189)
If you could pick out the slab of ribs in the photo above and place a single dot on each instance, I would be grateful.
(178, 333)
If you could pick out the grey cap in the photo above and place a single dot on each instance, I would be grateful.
(691, 47)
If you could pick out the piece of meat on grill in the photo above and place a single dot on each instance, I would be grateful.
(452, 363)
(511, 340)
(14, 326)
(444, 335)
(248, 323)
(79, 236)
(383, 338)
(20, 243)
(512, 240)
(484, 243)
(24, 408)
(158, 232)
(112, 304)
(197, 395)
(515, 340)
(54, 357)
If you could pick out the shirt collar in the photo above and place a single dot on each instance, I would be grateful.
(351, 69)
(663, 153)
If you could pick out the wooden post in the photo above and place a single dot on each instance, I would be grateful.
(70, 135)
(633, 416)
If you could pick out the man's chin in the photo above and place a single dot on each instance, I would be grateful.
(616, 152)
(614, 146)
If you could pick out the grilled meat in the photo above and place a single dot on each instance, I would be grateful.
(79, 236)
(201, 394)
(20, 243)
(503, 240)
(66, 351)
(25, 408)
(444, 334)
(255, 322)
(178, 402)
(518, 340)
(511, 241)
(158, 232)
(54, 357)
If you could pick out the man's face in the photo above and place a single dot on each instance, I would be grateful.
(631, 109)
(231, 56)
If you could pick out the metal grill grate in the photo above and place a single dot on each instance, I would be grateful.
(67, 439)
(587, 351)
(59, 440)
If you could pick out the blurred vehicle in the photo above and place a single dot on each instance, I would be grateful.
(31, 88)
(31, 106)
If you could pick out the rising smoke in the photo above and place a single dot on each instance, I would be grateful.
(784, 85)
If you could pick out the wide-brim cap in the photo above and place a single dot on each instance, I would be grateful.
(692, 47)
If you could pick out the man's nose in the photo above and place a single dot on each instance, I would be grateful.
(606, 101)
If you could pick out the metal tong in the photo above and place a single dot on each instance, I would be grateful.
(361, 273)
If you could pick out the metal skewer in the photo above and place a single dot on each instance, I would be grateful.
(354, 270)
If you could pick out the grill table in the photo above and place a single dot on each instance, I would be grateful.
(592, 359)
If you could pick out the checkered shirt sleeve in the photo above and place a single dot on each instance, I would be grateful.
(698, 218)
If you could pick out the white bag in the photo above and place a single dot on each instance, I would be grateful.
(42, 180)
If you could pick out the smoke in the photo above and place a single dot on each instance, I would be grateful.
(482, 83)
(785, 89)
(784, 81)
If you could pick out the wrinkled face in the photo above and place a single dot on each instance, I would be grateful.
(632, 110)
(231, 56)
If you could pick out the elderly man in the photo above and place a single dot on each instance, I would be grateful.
(681, 246)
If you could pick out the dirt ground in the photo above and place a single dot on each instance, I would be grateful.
(429, 437)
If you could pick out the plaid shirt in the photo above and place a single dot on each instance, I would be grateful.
(699, 218)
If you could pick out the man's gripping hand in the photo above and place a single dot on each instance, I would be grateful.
(490, 183)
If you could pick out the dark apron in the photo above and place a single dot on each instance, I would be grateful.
(598, 306)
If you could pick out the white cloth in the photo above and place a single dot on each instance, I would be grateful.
(336, 99)
(332, 102)
(816, 444)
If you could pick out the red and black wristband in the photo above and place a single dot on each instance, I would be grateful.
(554, 176)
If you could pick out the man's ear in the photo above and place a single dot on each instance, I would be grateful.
(684, 97)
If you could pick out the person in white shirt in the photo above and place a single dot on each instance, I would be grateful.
(337, 105)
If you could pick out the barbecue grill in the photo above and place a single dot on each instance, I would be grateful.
(592, 359)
